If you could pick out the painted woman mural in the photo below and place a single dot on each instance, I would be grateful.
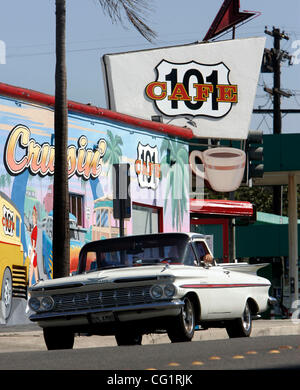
(33, 270)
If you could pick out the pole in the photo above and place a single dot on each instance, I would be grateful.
(293, 240)
(276, 92)
(277, 121)
(121, 220)
(231, 226)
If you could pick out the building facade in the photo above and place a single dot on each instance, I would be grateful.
(159, 181)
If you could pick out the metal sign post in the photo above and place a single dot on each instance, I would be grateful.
(121, 194)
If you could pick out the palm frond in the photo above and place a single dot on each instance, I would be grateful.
(134, 10)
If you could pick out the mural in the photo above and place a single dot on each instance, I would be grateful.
(158, 179)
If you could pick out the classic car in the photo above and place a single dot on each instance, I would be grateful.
(134, 285)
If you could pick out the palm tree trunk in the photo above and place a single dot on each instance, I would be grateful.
(61, 233)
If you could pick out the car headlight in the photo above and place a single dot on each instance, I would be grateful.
(169, 290)
(47, 303)
(156, 292)
(34, 304)
(41, 303)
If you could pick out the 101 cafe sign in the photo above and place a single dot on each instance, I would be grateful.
(192, 89)
(209, 87)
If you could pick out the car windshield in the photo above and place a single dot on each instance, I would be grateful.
(132, 251)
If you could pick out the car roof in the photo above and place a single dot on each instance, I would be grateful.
(137, 237)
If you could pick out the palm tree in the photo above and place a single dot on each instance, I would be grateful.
(175, 170)
(61, 232)
(134, 11)
(113, 151)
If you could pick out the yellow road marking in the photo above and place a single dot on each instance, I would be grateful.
(196, 363)
(285, 347)
(238, 357)
(251, 353)
(215, 358)
(274, 351)
(174, 364)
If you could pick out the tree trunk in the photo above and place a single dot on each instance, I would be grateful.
(61, 232)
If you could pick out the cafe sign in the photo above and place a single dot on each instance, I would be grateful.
(192, 89)
(147, 167)
(208, 87)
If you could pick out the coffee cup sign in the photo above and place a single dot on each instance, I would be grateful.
(223, 167)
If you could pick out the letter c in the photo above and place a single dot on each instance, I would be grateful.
(150, 90)
(19, 136)
(152, 380)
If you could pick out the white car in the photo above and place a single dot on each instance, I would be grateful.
(134, 285)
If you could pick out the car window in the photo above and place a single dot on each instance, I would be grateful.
(200, 249)
(137, 251)
(189, 258)
(91, 261)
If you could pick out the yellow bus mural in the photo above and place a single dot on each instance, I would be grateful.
(13, 266)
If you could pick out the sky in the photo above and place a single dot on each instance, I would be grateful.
(27, 29)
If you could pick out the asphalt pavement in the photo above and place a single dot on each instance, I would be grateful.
(29, 337)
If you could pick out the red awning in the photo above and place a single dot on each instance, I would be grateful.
(221, 207)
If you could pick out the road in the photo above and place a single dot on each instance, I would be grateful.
(272, 352)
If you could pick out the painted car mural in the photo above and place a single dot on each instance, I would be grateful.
(13, 263)
(77, 237)
(158, 180)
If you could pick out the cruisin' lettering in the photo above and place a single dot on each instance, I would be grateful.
(23, 152)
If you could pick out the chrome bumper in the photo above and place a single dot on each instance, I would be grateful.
(122, 313)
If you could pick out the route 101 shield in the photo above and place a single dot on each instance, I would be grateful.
(192, 89)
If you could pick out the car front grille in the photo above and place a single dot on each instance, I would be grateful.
(102, 298)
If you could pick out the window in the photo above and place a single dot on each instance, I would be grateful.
(132, 251)
(200, 249)
(102, 217)
(76, 207)
(17, 226)
(189, 258)
(146, 219)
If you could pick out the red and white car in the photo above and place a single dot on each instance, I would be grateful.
(134, 285)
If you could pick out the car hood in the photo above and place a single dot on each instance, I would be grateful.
(139, 275)
(113, 275)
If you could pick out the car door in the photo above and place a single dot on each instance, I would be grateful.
(216, 288)
(219, 293)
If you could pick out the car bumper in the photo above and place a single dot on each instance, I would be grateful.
(109, 315)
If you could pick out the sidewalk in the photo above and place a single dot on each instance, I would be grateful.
(30, 337)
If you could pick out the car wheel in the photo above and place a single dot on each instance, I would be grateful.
(58, 338)
(6, 295)
(128, 338)
(182, 327)
(240, 327)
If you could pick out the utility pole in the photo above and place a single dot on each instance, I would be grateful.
(272, 64)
